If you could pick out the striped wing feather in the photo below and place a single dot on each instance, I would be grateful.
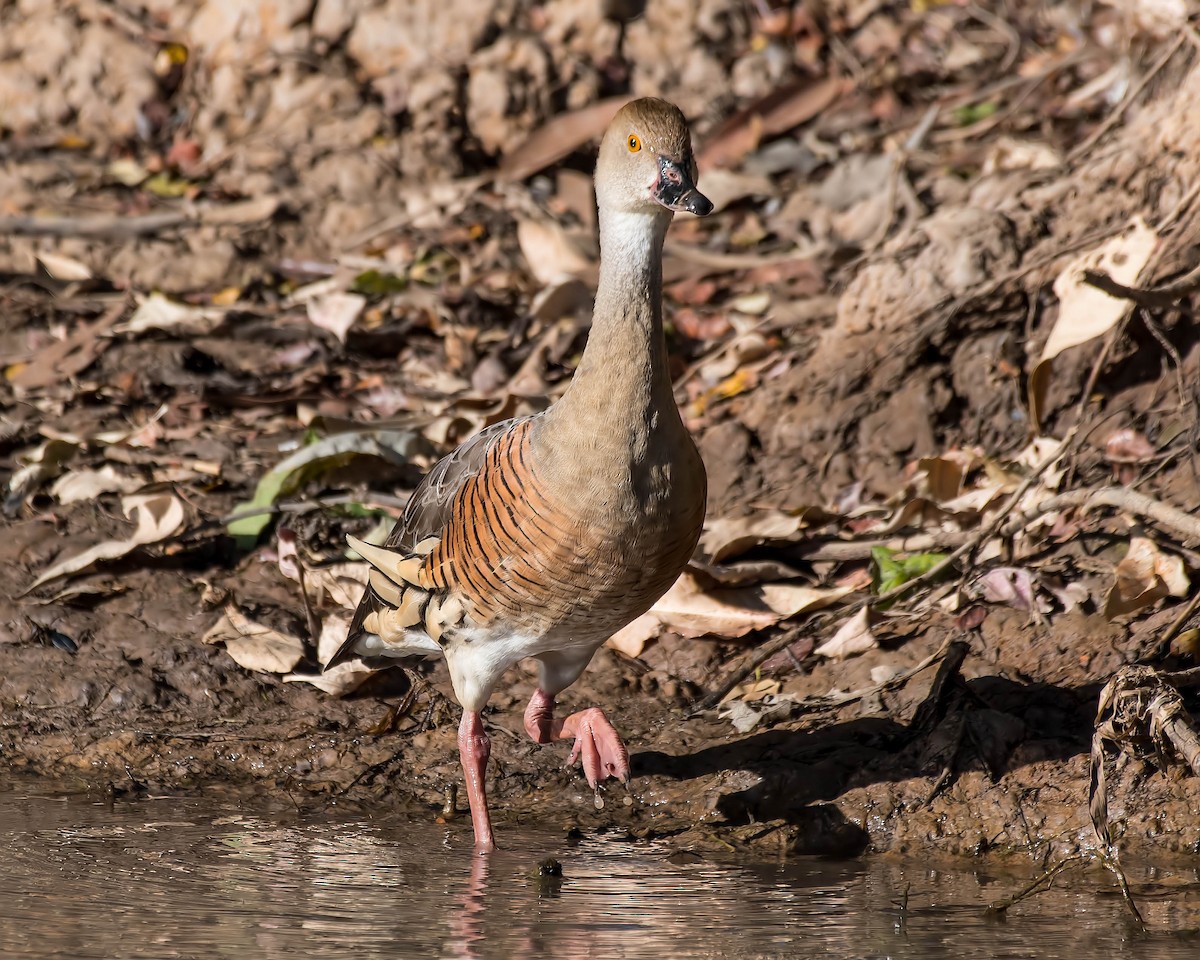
(552, 559)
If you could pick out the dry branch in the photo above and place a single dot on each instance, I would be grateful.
(1178, 521)
(108, 226)
(1140, 710)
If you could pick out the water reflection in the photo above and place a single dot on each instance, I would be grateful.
(176, 878)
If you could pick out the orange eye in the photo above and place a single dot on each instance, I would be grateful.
(634, 144)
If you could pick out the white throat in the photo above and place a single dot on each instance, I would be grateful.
(630, 248)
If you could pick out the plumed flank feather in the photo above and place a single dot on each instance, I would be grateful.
(417, 529)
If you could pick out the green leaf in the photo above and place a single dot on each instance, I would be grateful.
(164, 185)
(888, 572)
(972, 113)
(312, 461)
(372, 283)
(358, 511)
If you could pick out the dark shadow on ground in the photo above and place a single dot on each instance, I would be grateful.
(979, 724)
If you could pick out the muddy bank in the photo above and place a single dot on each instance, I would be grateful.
(997, 768)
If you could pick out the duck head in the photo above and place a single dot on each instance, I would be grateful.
(646, 162)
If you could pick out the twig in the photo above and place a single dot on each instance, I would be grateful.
(993, 121)
(1169, 349)
(741, 261)
(108, 226)
(902, 916)
(838, 550)
(133, 27)
(1036, 885)
(1101, 359)
(1181, 523)
(308, 506)
(841, 699)
(810, 704)
(720, 351)
(1167, 296)
(1164, 641)
(1123, 882)
(217, 737)
(1182, 286)
(897, 169)
(1000, 25)
(372, 770)
(1115, 117)
(314, 622)
(738, 674)
(984, 532)
(1183, 679)
(968, 546)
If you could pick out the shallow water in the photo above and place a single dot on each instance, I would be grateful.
(197, 879)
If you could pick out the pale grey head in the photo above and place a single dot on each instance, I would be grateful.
(646, 162)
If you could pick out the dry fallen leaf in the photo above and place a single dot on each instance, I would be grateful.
(853, 637)
(89, 484)
(60, 361)
(1144, 575)
(944, 476)
(156, 312)
(1070, 595)
(336, 312)
(753, 690)
(1128, 446)
(631, 639)
(253, 645)
(241, 212)
(550, 252)
(342, 583)
(1012, 586)
(345, 677)
(559, 299)
(1009, 153)
(288, 554)
(558, 138)
(1159, 19)
(727, 537)
(691, 611)
(723, 187)
(157, 515)
(64, 268)
(36, 466)
(1085, 312)
(745, 714)
(775, 114)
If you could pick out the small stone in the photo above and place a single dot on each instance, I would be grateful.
(550, 867)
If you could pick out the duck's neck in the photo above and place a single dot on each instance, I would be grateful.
(622, 376)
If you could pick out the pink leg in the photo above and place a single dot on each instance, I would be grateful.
(539, 717)
(474, 748)
(596, 741)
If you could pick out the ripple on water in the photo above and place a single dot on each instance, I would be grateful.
(196, 879)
